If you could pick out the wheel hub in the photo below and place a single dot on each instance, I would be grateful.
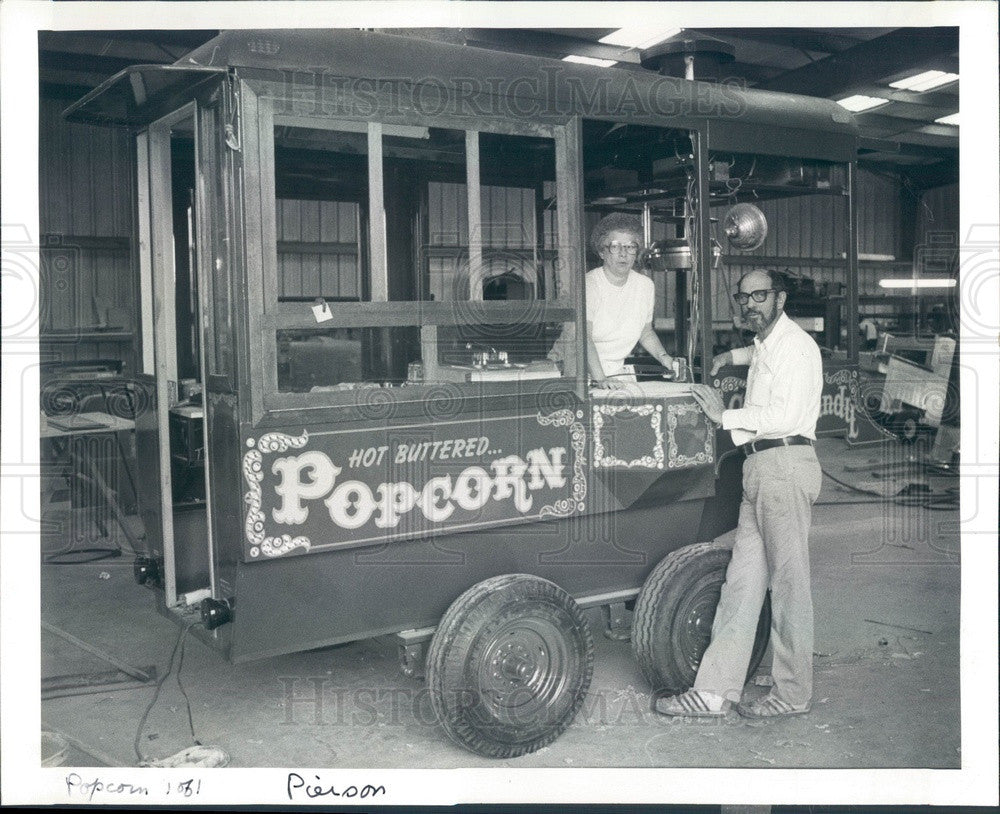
(522, 669)
(515, 661)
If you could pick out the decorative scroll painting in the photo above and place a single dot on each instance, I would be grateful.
(312, 491)
(667, 434)
(690, 440)
(628, 436)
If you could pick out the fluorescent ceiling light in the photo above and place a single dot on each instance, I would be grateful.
(600, 63)
(920, 282)
(925, 81)
(952, 119)
(858, 103)
(639, 36)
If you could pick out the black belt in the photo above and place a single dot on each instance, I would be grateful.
(768, 443)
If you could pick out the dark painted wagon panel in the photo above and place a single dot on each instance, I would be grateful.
(297, 603)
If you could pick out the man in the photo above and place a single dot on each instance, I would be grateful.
(775, 428)
(868, 328)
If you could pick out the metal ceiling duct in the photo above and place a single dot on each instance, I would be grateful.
(671, 254)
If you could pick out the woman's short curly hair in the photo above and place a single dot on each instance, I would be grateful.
(615, 222)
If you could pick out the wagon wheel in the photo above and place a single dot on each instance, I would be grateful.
(509, 665)
(674, 612)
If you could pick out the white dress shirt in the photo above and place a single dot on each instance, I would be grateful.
(784, 385)
(617, 316)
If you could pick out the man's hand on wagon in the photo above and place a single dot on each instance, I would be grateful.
(720, 361)
(710, 400)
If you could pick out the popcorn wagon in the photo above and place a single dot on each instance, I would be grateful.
(362, 259)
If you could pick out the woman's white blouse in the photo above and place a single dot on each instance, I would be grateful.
(617, 316)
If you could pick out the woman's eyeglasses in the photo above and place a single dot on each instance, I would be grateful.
(618, 248)
(758, 296)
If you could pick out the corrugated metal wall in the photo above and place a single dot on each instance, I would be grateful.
(508, 225)
(807, 236)
(317, 248)
(88, 287)
(938, 217)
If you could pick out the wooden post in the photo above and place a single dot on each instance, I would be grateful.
(851, 304)
(571, 242)
(704, 271)
(475, 207)
(376, 216)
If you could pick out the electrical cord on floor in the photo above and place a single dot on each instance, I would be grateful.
(180, 685)
(76, 556)
(928, 501)
(178, 647)
(98, 554)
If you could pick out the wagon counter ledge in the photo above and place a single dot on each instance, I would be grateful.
(389, 427)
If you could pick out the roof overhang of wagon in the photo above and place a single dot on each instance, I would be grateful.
(142, 93)
(411, 76)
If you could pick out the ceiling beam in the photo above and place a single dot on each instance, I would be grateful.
(752, 73)
(946, 62)
(933, 98)
(927, 139)
(540, 43)
(913, 114)
(867, 62)
(945, 130)
(879, 145)
(189, 39)
(139, 46)
(896, 126)
(86, 45)
(88, 63)
(62, 90)
(921, 176)
(74, 78)
(801, 39)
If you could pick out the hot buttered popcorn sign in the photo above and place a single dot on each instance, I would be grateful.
(320, 490)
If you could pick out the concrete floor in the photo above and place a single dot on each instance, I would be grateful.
(886, 588)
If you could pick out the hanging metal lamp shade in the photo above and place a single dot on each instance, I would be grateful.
(745, 226)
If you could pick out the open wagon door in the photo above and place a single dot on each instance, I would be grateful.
(178, 114)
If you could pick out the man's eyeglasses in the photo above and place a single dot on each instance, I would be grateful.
(758, 296)
(618, 248)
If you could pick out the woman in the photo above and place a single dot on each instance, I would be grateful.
(619, 302)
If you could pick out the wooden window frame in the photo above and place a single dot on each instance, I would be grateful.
(267, 316)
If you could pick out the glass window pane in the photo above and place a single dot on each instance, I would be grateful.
(321, 192)
(517, 217)
(447, 245)
(335, 358)
(340, 359)
(426, 212)
(214, 220)
(480, 348)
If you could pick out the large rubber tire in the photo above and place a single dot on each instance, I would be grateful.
(509, 665)
(672, 625)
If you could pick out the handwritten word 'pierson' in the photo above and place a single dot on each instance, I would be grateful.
(352, 503)
(297, 787)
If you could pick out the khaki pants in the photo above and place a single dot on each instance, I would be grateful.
(771, 550)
